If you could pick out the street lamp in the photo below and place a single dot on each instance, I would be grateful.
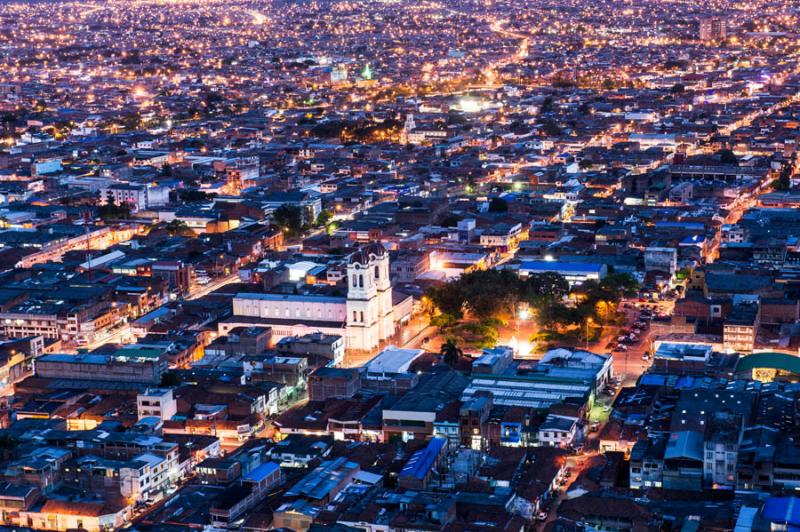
(588, 322)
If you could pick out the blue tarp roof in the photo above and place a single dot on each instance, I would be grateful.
(261, 472)
(421, 461)
(651, 379)
(681, 225)
(782, 510)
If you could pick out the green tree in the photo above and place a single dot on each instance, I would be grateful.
(112, 211)
(781, 184)
(450, 220)
(450, 352)
(324, 218)
(547, 105)
(550, 128)
(448, 299)
(498, 204)
(491, 293)
(455, 118)
(179, 228)
(546, 287)
(601, 298)
(169, 379)
(621, 284)
(132, 121)
(290, 219)
(189, 195)
(784, 180)
(487, 294)
(8, 446)
(728, 157)
(557, 315)
(518, 127)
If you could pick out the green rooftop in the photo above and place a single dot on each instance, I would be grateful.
(780, 361)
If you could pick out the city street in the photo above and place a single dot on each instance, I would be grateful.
(203, 290)
(120, 335)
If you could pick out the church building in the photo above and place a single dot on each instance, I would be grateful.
(365, 317)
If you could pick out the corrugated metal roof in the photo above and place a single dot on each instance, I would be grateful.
(421, 461)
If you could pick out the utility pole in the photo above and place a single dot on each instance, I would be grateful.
(588, 321)
(88, 244)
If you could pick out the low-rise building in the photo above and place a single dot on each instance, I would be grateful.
(558, 431)
(574, 272)
(125, 365)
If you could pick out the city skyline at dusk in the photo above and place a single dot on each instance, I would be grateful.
(397, 265)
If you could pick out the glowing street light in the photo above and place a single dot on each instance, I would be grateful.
(588, 322)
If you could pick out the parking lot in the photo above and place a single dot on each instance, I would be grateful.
(631, 346)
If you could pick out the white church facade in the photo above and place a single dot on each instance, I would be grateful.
(365, 317)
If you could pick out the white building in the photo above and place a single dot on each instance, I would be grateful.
(365, 316)
(721, 449)
(146, 475)
(661, 259)
(62, 515)
(392, 361)
(501, 236)
(712, 29)
(558, 431)
(137, 197)
(732, 234)
(574, 272)
(156, 402)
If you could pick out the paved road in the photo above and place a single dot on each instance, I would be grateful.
(210, 287)
(121, 335)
